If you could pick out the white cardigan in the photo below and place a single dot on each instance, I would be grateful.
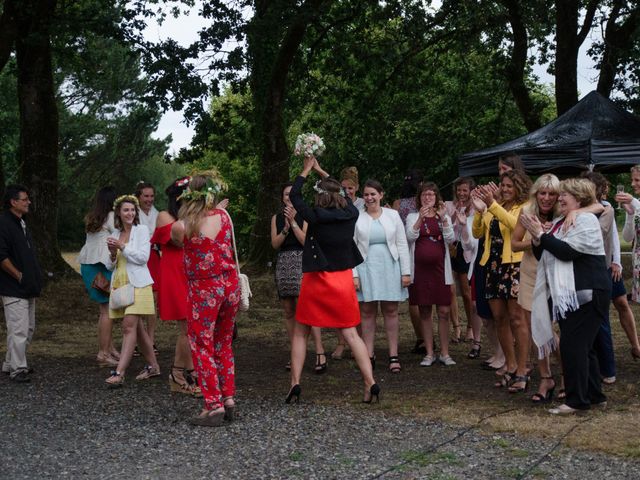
(95, 246)
(469, 245)
(447, 235)
(137, 254)
(394, 231)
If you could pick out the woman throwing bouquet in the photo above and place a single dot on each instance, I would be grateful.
(327, 294)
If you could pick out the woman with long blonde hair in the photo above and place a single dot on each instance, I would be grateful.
(214, 295)
(543, 198)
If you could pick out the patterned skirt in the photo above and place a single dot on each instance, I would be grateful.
(288, 273)
(503, 282)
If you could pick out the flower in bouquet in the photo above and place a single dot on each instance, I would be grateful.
(308, 145)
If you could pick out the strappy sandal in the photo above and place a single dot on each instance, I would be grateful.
(519, 379)
(547, 396)
(115, 380)
(148, 372)
(320, 367)
(506, 380)
(394, 364)
(562, 393)
(475, 350)
(188, 387)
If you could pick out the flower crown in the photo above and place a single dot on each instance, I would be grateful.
(126, 198)
(319, 189)
(209, 190)
(181, 182)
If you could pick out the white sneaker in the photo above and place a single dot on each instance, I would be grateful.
(609, 380)
(447, 361)
(427, 361)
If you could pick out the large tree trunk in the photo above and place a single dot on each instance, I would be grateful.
(39, 130)
(272, 49)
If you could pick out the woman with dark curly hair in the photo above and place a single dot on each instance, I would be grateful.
(495, 222)
(93, 259)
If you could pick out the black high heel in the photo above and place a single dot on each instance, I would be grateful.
(294, 392)
(374, 391)
(548, 396)
(475, 350)
(320, 367)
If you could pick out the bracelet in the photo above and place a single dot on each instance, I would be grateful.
(284, 232)
(294, 226)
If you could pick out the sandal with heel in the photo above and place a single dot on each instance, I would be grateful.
(544, 397)
(394, 364)
(320, 367)
(506, 380)
(187, 386)
(519, 379)
(475, 350)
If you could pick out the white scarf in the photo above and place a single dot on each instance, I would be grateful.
(555, 279)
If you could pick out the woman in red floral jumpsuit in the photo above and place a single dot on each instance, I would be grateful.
(213, 296)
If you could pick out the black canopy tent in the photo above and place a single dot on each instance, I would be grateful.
(594, 133)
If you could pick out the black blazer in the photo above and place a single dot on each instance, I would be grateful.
(17, 245)
(329, 244)
(589, 271)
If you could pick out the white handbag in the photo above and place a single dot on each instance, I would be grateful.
(243, 280)
(122, 297)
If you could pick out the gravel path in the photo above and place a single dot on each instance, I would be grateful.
(66, 425)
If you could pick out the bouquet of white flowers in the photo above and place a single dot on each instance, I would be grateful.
(308, 145)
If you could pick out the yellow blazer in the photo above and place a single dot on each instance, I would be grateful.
(508, 220)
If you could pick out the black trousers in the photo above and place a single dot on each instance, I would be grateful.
(579, 360)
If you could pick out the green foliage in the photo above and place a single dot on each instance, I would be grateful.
(9, 126)
(227, 144)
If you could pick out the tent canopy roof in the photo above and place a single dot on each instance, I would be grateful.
(595, 131)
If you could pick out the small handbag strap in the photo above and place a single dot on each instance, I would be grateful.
(233, 236)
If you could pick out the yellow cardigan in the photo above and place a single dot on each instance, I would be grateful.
(508, 220)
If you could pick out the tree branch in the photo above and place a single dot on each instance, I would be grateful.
(588, 21)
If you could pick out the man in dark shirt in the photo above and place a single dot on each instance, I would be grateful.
(20, 281)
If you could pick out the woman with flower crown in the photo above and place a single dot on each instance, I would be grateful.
(327, 295)
(214, 295)
(128, 255)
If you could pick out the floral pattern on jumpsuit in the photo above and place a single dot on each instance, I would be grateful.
(214, 296)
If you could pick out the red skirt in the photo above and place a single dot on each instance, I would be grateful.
(328, 300)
